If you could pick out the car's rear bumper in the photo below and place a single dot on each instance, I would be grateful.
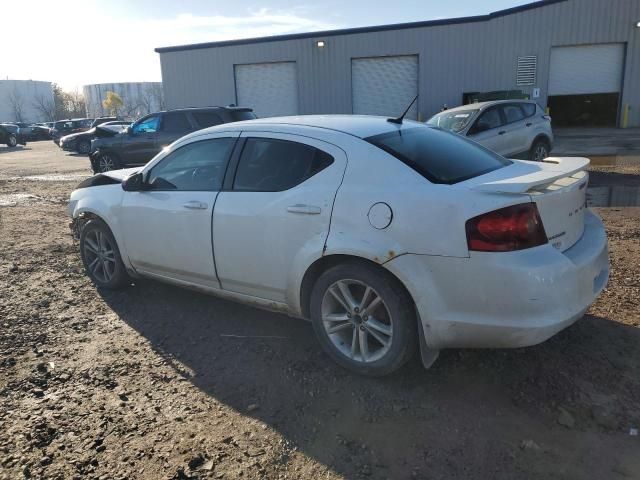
(509, 299)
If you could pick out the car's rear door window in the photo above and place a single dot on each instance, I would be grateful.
(207, 119)
(175, 122)
(529, 109)
(438, 155)
(512, 113)
(273, 165)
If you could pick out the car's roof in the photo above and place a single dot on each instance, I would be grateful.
(483, 105)
(361, 126)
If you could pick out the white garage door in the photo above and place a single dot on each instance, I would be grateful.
(271, 89)
(586, 69)
(385, 85)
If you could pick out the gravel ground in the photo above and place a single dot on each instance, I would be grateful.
(156, 382)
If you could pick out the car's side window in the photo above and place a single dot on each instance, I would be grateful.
(272, 165)
(198, 166)
(489, 119)
(175, 122)
(207, 119)
(529, 109)
(148, 125)
(512, 113)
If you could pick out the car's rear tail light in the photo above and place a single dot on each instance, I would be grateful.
(512, 228)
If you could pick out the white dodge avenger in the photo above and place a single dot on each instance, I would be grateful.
(389, 235)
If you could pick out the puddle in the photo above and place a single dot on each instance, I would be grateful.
(13, 199)
(613, 196)
(62, 177)
(614, 160)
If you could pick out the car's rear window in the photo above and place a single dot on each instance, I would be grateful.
(438, 155)
(237, 115)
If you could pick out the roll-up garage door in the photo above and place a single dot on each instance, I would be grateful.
(585, 83)
(271, 89)
(586, 69)
(385, 85)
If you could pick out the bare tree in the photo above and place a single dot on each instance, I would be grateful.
(133, 108)
(45, 106)
(158, 95)
(17, 105)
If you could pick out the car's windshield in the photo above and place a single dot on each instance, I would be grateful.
(452, 120)
(438, 155)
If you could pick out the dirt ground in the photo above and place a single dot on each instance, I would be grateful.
(156, 382)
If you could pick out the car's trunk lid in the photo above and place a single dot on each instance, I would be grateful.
(556, 185)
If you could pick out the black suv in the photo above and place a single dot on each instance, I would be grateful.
(10, 135)
(65, 127)
(151, 133)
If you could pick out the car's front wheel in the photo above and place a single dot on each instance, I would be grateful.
(12, 141)
(101, 257)
(107, 161)
(363, 318)
(539, 150)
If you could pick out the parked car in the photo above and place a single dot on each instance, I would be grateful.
(39, 132)
(10, 135)
(512, 128)
(65, 127)
(26, 129)
(151, 133)
(81, 142)
(387, 236)
(101, 120)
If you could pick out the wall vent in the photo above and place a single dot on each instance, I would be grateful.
(526, 72)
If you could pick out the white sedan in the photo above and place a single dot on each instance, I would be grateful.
(388, 236)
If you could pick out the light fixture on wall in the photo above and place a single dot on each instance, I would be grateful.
(320, 44)
(637, 24)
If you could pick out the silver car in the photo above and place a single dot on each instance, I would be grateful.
(512, 128)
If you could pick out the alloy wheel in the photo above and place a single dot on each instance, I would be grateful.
(105, 163)
(540, 153)
(357, 321)
(100, 255)
(12, 141)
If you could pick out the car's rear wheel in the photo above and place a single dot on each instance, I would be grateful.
(12, 141)
(83, 147)
(101, 257)
(539, 150)
(363, 318)
(108, 161)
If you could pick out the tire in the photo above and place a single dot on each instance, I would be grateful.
(539, 150)
(105, 270)
(107, 161)
(83, 147)
(12, 141)
(390, 342)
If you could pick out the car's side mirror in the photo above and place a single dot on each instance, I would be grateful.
(134, 183)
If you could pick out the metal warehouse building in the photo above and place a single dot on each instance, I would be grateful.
(139, 98)
(26, 101)
(580, 58)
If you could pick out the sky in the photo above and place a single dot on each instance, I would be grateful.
(79, 42)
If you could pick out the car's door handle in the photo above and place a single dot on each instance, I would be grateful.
(306, 209)
(529, 124)
(502, 132)
(195, 205)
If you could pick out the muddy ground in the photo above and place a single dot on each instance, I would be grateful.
(156, 382)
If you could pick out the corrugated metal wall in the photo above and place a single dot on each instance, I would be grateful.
(139, 98)
(453, 59)
(31, 99)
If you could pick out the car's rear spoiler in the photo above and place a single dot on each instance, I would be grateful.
(548, 171)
